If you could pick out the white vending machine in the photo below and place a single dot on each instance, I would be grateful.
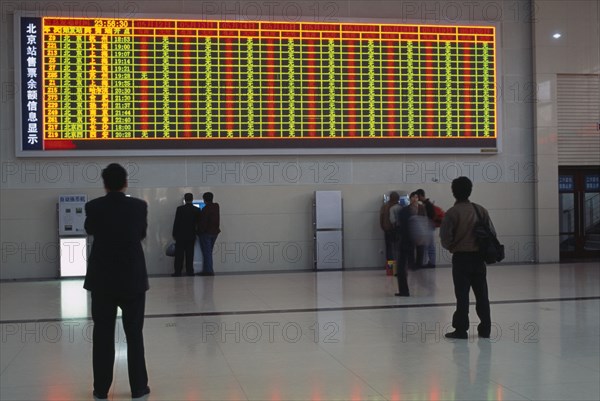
(328, 230)
(72, 238)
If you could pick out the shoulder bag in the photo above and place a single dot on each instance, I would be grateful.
(490, 248)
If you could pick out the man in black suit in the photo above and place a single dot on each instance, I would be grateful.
(184, 232)
(117, 277)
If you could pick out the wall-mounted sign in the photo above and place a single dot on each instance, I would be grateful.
(173, 86)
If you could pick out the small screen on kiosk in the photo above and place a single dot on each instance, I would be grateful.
(199, 204)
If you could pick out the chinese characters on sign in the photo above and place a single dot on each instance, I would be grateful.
(32, 84)
(155, 84)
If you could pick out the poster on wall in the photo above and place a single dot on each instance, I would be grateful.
(155, 86)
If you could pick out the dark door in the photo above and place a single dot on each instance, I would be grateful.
(579, 205)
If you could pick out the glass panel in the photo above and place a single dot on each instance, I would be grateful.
(591, 219)
(567, 243)
(592, 182)
(566, 183)
(567, 213)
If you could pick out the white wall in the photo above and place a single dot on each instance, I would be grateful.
(577, 51)
(266, 201)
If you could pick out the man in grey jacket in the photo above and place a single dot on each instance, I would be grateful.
(468, 267)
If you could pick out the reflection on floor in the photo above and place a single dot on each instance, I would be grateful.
(318, 336)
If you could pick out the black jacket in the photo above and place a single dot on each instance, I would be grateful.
(186, 220)
(116, 263)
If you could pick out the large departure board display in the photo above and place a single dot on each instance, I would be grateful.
(200, 86)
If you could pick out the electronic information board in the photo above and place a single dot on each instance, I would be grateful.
(167, 86)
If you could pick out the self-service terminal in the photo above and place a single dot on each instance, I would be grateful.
(72, 238)
(199, 203)
(404, 198)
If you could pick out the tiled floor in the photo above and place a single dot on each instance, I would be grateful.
(318, 336)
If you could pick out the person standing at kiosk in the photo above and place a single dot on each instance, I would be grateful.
(184, 233)
(208, 230)
(387, 225)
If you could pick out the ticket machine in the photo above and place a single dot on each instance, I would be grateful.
(404, 198)
(199, 203)
(72, 238)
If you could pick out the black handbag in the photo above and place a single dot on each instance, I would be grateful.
(490, 248)
(170, 251)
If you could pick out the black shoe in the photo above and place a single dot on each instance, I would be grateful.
(176, 275)
(428, 266)
(99, 396)
(189, 274)
(483, 335)
(457, 334)
(142, 393)
(402, 294)
(205, 274)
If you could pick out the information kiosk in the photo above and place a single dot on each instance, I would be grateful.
(72, 237)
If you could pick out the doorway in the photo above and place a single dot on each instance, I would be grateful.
(579, 208)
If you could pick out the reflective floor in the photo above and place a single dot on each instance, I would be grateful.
(317, 336)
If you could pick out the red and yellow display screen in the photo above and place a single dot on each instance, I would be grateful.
(104, 84)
